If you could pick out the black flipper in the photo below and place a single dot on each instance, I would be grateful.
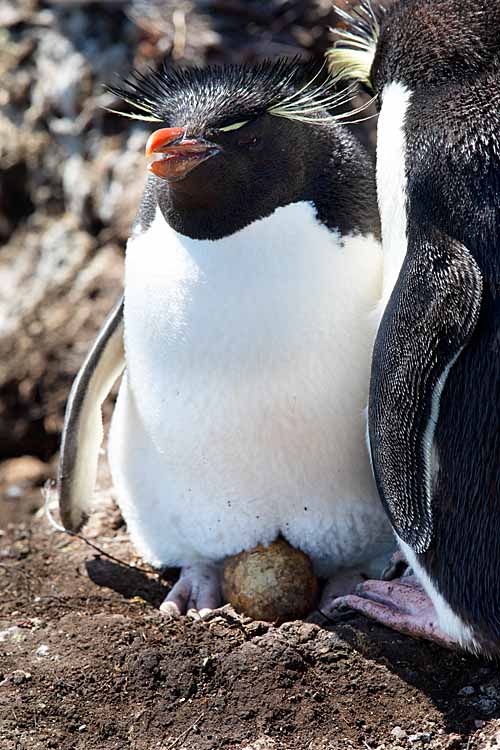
(430, 317)
(83, 432)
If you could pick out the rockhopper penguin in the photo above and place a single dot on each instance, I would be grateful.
(251, 274)
(434, 406)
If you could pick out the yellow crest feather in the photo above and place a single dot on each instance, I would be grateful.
(354, 50)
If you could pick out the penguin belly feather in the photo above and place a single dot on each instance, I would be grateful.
(241, 413)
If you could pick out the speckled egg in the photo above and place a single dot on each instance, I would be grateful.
(274, 583)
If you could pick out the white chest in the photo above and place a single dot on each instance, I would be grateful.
(276, 312)
(247, 377)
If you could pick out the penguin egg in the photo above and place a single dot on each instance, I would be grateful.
(274, 583)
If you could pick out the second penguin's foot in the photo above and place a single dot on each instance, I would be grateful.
(197, 592)
(343, 582)
(401, 605)
(346, 580)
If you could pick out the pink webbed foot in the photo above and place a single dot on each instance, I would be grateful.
(401, 605)
(197, 592)
(342, 583)
(346, 580)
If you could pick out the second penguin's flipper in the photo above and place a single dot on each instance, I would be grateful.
(82, 433)
(430, 317)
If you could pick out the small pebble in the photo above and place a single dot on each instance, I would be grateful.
(14, 491)
(42, 650)
(398, 733)
(14, 633)
(413, 738)
(19, 676)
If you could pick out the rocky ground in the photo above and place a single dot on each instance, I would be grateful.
(88, 662)
(86, 659)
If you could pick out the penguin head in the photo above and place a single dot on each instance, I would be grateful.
(419, 43)
(234, 142)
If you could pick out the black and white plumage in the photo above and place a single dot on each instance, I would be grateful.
(434, 412)
(251, 276)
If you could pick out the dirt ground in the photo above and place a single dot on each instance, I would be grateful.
(87, 661)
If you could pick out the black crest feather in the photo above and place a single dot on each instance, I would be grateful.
(218, 95)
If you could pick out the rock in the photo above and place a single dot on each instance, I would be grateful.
(454, 741)
(11, 14)
(14, 633)
(62, 76)
(119, 177)
(398, 733)
(18, 677)
(23, 471)
(419, 738)
(262, 743)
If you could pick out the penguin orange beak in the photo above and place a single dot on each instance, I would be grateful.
(179, 155)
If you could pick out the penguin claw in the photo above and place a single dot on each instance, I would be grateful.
(401, 605)
(396, 567)
(196, 593)
(170, 609)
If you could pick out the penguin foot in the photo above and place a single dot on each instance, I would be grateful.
(196, 593)
(401, 605)
(347, 580)
(339, 585)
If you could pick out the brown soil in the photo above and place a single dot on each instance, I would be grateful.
(87, 661)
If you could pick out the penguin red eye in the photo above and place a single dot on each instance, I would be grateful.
(250, 141)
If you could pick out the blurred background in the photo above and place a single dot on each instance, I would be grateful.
(71, 176)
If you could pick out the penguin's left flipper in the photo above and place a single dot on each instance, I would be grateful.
(429, 319)
(401, 605)
(83, 432)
